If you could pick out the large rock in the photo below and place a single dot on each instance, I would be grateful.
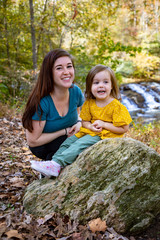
(117, 180)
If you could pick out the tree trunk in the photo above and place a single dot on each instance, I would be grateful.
(34, 52)
(6, 31)
(156, 17)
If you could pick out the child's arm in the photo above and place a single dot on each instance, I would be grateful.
(109, 126)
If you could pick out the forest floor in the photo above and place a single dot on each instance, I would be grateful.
(16, 174)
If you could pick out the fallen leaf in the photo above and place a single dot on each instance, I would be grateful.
(2, 228)
(77, 236)
(14, 233)
(18, 185)
(97, 225)
(45, 219)
(25, 148)
(5, 120)
(6, 173)
(15, 179)
(3, 196)
(132, 238)
(28, 219)
(64, 238)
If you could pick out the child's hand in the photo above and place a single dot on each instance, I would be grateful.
(98, 124)
(92, 126)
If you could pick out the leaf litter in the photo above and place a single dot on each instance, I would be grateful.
(16, 175)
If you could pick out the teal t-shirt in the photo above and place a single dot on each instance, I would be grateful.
(54, 121)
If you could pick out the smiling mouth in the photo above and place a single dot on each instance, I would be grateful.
(66, 79)
(101, 91)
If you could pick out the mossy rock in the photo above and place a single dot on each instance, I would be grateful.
(117, 180)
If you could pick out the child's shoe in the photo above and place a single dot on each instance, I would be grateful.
(47, 168)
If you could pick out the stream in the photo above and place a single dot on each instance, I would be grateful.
(142, 100)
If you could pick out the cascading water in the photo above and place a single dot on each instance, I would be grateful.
(142, 99)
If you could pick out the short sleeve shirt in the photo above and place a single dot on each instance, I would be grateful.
(114, 112)
(54, 121)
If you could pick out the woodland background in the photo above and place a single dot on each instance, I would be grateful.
(119, 33)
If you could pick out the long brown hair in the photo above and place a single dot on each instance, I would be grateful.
(89, 80)
(43, 87)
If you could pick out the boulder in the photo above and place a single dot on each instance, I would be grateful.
(117, 180)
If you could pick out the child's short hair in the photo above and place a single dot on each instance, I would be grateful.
(89, 80)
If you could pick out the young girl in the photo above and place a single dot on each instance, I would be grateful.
(103, 116)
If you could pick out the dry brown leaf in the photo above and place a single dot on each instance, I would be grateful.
(77, 236)
(14, 199)
(14, 233)
(25, 149)
(5, 120)
(132, 238)
(18, 184)
(97, 225)
(28, 153)
(18, 164)
(3, 196)
(15, 179)
(41, 221)
(6, 173)
(2, 228)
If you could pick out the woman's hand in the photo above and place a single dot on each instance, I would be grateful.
(74, 129)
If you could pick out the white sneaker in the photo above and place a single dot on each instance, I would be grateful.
(47, 168)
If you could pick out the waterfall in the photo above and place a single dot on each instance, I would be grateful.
(142, 99)
(149, 95)
(129, 103)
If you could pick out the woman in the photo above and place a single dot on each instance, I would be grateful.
(51, 113)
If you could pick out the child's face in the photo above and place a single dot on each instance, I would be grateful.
(102, 85)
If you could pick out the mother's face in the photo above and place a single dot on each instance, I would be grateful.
(63, 72)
